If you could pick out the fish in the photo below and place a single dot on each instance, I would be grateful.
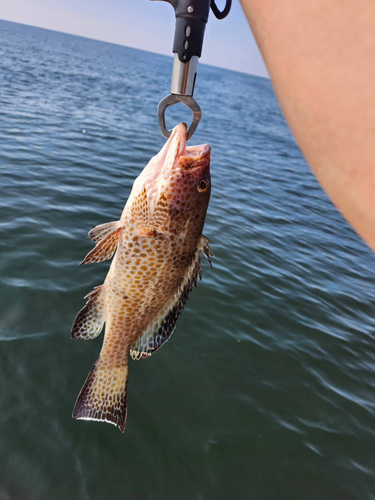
(157, 246)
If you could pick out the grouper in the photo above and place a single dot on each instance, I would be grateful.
(157, 245)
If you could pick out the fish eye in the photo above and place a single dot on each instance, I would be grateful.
(202, 186)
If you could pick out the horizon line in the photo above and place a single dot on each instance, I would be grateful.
(129, 47)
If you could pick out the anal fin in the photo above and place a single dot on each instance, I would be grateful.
(90, 320)
(161, 328)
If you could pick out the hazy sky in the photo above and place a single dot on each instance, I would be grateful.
(142, 24)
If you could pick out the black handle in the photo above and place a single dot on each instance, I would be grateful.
(191, 20)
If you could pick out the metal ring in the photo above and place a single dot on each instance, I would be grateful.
(174, 99)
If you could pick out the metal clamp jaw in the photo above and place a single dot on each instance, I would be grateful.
(191, 20)
(174, 99)
(182, 89)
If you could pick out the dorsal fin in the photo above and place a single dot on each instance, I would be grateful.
(162, 327)
(90, 320)
(103, 230)
(104, 249)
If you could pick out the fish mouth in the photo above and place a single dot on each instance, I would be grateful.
(182, 157)
(198, 152)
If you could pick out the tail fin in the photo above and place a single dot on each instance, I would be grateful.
(103, 396)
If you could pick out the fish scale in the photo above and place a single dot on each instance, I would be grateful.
(156, 246)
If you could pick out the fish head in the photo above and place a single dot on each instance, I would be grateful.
(185, 183)
(176, 187)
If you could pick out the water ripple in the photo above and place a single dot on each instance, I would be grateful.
(267, 386)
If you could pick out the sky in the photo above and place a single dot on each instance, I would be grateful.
(143, 24)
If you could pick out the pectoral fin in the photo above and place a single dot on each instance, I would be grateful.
(90, 320)
(205, 249)
(139, 211)
(148, 222)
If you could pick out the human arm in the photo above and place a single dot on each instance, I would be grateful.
(321, 59)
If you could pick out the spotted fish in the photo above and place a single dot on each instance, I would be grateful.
(157, 245)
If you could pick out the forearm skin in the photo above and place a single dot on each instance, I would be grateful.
(321, 58)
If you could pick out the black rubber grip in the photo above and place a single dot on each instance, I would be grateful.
(191, 20)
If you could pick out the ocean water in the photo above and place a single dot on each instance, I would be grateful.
(266, 389)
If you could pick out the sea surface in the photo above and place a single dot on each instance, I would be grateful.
(266, 389)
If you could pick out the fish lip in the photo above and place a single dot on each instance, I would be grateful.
(197, 152)
(181, 132)
(172, 150)
(177, 156)
(176, 144)
(195, 157)
(184, 151)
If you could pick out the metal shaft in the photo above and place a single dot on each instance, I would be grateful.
(183, 76)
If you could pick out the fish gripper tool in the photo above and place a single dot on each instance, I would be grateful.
(191, 20)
